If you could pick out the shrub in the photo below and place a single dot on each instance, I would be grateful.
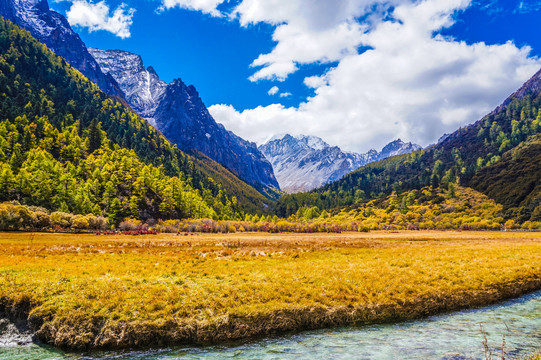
(41, 220)
(129, 224)
(80, 222)
(97, 222)
(510, 225)
(15, 217)
(61, 219)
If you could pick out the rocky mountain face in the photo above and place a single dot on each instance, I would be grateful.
(397, 147)
(303, 163)
(52, 29)
(174, 109)
(142, 86)
(179, 113)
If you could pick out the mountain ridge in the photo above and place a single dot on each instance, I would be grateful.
(177, 110)
(53, 29)
(303, 163)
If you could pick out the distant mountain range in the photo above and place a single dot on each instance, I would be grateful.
(175, 109)
(303, 163)
(499, 155)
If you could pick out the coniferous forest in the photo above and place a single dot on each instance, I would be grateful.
(66, 146)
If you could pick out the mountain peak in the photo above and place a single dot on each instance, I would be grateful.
(142, 87)
(397, 147)
(178, 111)
(114, 60)
(305, 162)
(313, 142)
(151, 70)
(53, 29)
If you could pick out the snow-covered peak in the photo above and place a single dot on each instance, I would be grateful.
(398, 147)
(302, 162)
(313, 142)
(143, 87)
(35, 15)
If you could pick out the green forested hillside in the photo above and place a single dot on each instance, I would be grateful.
(65, 145)
(514, 181)
(458, 159)
(252, 200)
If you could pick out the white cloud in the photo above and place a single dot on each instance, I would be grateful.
(273, 90)
(205, 6)
(412, 83)
(96, 17)
(296, 46)
(285, 94)
(260, 123)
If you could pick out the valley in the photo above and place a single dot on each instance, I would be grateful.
(114, 291)
(133, 218)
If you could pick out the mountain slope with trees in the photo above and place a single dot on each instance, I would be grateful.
(514, 180)
(179, 113)
(53, 29)
(460, 158)
(66, 145)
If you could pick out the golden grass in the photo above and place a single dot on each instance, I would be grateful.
(87, 291)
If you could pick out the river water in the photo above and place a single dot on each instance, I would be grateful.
(451, 336)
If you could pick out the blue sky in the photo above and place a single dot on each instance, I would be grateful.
(213, 54)
(204, 46)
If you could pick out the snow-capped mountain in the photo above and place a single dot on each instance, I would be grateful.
(183, 118)
(142, 87)
(52, 29)
(397, 147)
(303, 163)
(179, 113)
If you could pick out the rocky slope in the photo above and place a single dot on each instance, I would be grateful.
(179, 113)
(142, 86)
(303, 163)
(52, 29)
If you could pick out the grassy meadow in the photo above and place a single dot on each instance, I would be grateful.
(114, 291)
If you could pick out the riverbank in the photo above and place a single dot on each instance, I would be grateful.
(103, 292)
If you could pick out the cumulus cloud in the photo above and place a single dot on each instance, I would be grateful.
(273, 90)
(205, 6)
(296, 46)
(285, 94)
(97, 17)
(412, 83)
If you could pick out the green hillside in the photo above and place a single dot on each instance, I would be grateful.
(252, 200)
(514, 181)
(67, 146)
(461, 158)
